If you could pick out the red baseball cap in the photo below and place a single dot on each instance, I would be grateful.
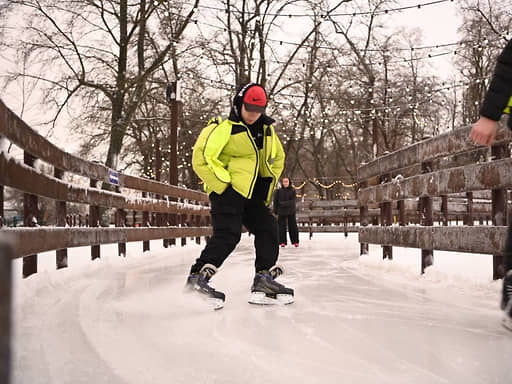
(255, 99)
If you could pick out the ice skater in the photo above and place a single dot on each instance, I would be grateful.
(285, 208)
(497, 101)
(240, 160)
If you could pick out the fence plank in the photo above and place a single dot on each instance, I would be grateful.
(30, 181)
(18, 132)
(31, 240)
(447, 144)
(487, 240)
(496, 174)
(163, 189)
(328, 228)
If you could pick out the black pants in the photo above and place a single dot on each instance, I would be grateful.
(229, 212)
(507, 263)
(292, 228)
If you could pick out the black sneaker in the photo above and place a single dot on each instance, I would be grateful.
(198, 282)
(265, 290)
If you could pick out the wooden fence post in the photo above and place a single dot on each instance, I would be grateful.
(345, 221)
(30, 213)
(5, 311)
(184, 223)
(3, 147)
(444, 209)
(165, 219)
(61, 259)
(198, 221)
(401, 213)
(427, 255)
(145, 223)
(386, 218)
(2, 217)
(120, 220)
(363, 220)
(469, 219)
(173, 221)
(499, 208)
(94, 221)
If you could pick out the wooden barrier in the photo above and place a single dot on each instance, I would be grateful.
(155, 198)
(446, 178)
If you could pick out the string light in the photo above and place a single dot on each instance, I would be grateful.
(317, 182)
(375, 12)
(360, 110)
(462, 43)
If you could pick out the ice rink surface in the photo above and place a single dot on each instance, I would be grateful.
(355, 320)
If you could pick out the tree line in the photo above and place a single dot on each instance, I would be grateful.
(344, 87)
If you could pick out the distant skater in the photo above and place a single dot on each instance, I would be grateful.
(285, 209)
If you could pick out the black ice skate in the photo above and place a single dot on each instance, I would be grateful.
(265, 290)
(506, 303)
(198, 282)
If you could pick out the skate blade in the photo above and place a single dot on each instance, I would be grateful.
(216, 304)
(203, 301)
(261, 299)
(212, 303)
(507, 323)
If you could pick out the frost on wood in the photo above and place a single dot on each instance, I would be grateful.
(496, 174)
(481, 239)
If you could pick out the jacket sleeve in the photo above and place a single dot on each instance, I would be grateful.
(205, 157)
(500, 89)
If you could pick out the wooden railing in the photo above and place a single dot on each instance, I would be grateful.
(158, 205)
(158, 202)
(438, 175)
(344, 215)
(327, 216)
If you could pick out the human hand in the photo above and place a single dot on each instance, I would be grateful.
(484, 131)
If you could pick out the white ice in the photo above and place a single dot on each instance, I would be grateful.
(355, 320)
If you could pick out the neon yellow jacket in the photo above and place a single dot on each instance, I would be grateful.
(509, 106)
(225, 153)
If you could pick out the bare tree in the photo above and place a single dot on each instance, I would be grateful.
(484, 27)
(99, 53)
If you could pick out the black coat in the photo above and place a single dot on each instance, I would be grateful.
(284, 201)
(500, 88)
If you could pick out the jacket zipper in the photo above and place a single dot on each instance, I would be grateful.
(274, 181)
(257, 161)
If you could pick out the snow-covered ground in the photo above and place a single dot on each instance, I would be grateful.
(355, 320)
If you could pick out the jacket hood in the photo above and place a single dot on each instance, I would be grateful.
(236, 108)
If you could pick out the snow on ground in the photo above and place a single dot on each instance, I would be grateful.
(355, 319)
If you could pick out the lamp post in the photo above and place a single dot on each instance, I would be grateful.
(174, 101)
